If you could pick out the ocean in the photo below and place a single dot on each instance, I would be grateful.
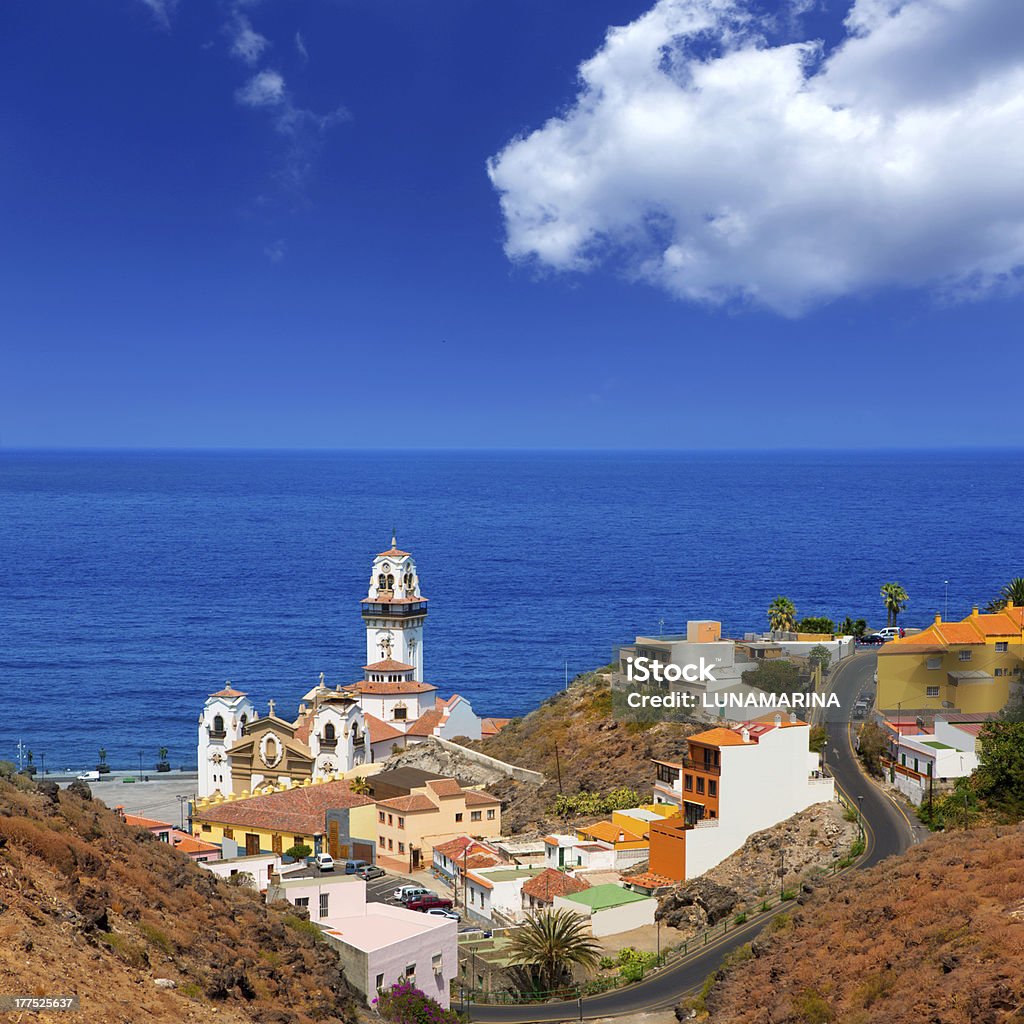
(132, 584)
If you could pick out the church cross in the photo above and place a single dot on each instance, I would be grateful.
(271, 705)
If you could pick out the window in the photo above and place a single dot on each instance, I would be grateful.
(474, 815)
(410, 970)
(391, 820)
(381, 841)
(401, 847)
(458, 815)
(689, 783)
(1001, 672)
(934, 663)
(932, 691)
(711, 814)
(276, 845)
(667, 775)
(700, 784)
(380, 817)
(966, 655)
(379, 983)
(712, 787)
(206, 828)
(400, 714)
(329, 733)
(302, 901)
(401, 822)
(391, 844)
(1002, 647)
(325, 898)
(218, 725)
(229, 833)
(298, 841)
(490, 814)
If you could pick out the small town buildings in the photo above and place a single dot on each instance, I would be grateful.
(409, 827)
(463, 853)
(927, 761)
(539, 892)
(610, 908)
(380, 945)
(734, 782)
(337, 730)
(194, 849)
(494, 894)
(974, 665)
(324, 895)
(259, 868)
(327, 815)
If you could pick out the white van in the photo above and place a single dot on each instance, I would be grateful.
(407, 892)
(89, 777)
(325, 862)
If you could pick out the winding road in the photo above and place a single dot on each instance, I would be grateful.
(888, 830)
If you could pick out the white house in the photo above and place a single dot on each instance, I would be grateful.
(926, 764)
(381, 945)
(260, 867)
(610, 908)
(495, 894)
(734, 782)
(325, 896)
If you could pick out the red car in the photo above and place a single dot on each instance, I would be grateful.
(425, 903)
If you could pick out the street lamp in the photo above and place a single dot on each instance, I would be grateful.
(42, 765)
(182, 800)
(945, 614)
(860, 815)
(140, 762)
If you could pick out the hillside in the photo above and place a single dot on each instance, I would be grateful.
(92, 907)
(933, 937)
(573, 739)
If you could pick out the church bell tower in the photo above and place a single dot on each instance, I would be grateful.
(394, 611)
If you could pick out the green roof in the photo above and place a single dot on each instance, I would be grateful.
(936, 744)
(603, 897)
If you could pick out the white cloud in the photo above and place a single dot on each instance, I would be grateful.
(300, 47)
(246, 43)
(276, 250)
(701, 158)
(161, 10)
(264, 89)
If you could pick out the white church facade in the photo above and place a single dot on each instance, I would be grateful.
(338, 729)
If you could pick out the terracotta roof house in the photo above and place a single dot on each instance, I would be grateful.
(540, 891)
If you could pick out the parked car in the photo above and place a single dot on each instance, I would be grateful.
(404, 892)
(890, 632)
(370, 871)
(874, 638)
(426, 894)
(431, 902)
(352, 866)
(441, 912)
(89, 777)
(324, 861)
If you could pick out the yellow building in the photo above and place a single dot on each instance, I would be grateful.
(273, 822)
(972, 665)
(409, 827)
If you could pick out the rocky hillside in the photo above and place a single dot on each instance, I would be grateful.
(92, 907)
(575, 742)
(933, 937)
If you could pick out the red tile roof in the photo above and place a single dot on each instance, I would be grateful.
(478, 798)
(405, 804)
(492, 726)
(444, 787)
(455, 848)
(299, 811)
(718, 737)
(405, 686)
(649, 880)
(150, 823)
(481, 860)
(228, 691)
(189, 844)
(426, 723)
(551, 883)
(380, 731)
(388, 665)
(393, 552)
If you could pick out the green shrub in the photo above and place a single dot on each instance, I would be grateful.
(298, 852)
(587, 802)
(406, 1004)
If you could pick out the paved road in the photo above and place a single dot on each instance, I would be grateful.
(887, 831)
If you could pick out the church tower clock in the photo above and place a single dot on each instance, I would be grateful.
(394, 611)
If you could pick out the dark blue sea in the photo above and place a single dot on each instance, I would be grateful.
(133, 584)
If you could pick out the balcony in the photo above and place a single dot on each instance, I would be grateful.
(328, 744)
(378, 610)
(217, 734)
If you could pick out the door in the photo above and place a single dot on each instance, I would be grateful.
(252, 844)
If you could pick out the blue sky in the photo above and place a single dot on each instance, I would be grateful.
(360, 223)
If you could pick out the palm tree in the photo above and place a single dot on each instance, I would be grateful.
(359, 785)
(781, 615)
(895, 599)
(549, 944)
(1014, 591)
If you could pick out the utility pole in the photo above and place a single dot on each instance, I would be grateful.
(558, 769)
(782, 874)
(860, 816)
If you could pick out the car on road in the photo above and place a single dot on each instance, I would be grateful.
(89, 777)
(408, 892)
(874, 638)
(890, 632)
(431, 902)
(324, 861)
(442, 912)
(368, 872)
